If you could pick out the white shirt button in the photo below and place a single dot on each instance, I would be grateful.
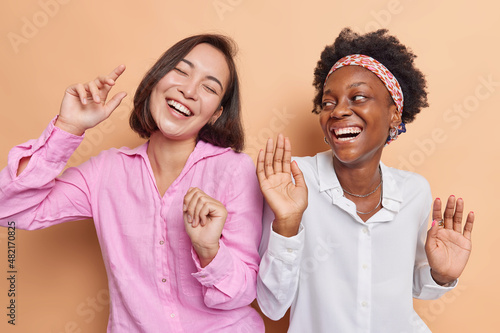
(289, 250)
(172, 315)
(364, 304)
(365, 230)
(365, 266)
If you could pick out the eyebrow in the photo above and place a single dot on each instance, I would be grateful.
(352, 85)
(356, 84)
(209, 77)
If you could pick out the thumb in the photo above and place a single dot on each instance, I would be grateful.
(297, 175)
(114, 102)
(432, 234)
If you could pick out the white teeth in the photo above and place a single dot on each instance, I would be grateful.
(347, 130)
(179, 107)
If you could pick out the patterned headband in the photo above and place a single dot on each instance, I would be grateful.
(389, 80)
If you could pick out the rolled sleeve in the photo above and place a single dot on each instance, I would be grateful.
(216, 270)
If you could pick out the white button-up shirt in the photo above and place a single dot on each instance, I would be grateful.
(340, 274)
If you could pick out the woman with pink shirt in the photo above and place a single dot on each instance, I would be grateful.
(179, 236)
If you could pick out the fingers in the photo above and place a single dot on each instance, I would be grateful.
(268, 158)
(468, 225)
(114, 102)
(453, 216)
(297, 175)
(199, 207)
(436, 210)
(273, 161)
(278, 154)
(287, 157)
(115, 73)
(261, 175)
(449, 212)
(457, 217)
(97, 89)
(94, 91)
(81, 92)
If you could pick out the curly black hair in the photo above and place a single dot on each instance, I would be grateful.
(387, 50)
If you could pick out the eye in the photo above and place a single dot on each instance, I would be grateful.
(180, 71)
(358, 98)
(326, 105)
(210, 89)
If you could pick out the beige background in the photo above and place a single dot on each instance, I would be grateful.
(47, 45)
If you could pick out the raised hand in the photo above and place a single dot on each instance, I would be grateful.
(204, 219)
(287, 200)
(84, 105)
(448, 247)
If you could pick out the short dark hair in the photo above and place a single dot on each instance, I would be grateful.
(227, 131)
(387, 50)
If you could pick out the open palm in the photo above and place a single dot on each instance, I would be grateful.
(448, 247)
(288, 200)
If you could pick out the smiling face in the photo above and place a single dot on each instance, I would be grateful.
(356, 115)
(189, 96)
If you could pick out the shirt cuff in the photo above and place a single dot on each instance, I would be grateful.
(60, 144)
(216, 270)
(431, 289)
(286, 249)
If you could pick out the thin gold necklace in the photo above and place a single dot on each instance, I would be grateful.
(366, 195)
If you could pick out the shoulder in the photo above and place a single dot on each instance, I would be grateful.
(219, 158)
(413, 188)
(113, 157)
(408, 179)
(310, 165)
(308, 161)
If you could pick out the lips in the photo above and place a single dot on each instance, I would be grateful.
(180, 108)
(346, 133)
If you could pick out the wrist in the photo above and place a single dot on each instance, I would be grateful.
(206, 253)
(441, 279)
(63, 125)
(287, 227)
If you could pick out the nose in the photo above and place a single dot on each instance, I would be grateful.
(189, 89)
(342, 109)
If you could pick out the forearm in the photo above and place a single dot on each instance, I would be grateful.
(30, 175)
(287, 226)
(228, 281)
(279, 270)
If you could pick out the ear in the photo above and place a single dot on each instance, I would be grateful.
(216, 116)
(395, 116)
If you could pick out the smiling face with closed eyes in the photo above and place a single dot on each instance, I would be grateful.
(357, 112)
(189, 96)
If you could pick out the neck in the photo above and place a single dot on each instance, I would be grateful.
(358, 179)
(168, 156)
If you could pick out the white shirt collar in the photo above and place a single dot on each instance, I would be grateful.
(392, 194)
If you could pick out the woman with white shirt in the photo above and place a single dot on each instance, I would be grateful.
(345, 242)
